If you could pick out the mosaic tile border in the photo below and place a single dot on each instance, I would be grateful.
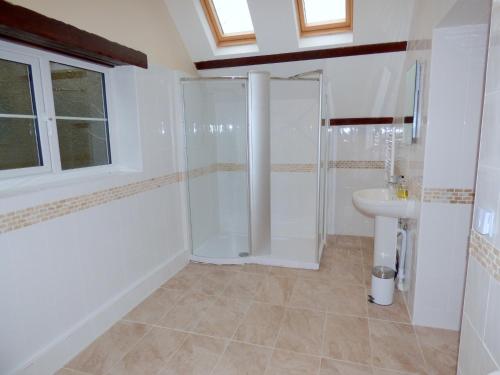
(357, 164)
(294, 168)
(37, 214)
(235, 167)
(485, 253)
(450, 195)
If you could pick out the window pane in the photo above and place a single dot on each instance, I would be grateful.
(18, 143)
(83, 143)
(15, 88)
(319, 12)
(77, 92)
(234, 16)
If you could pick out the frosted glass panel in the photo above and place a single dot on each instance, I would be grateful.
(82, 143)
(18, 143)
(234, 16)
(77, 92)
(319, 12)
(15, 88)
(216, 144)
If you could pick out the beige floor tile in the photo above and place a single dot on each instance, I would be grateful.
(289, 363)
(380, 371)
(188, 311)
(347, 338)
(198, 355)
(223, 317)
(285, 272)
(107, 349)
(243, 359)
(394, 346)
(348, 299)
(333, 367)
(214, 281)
(243, 285)
(154, 307)
(367, 243)
(67, 371)
(256, 268)
(368, 258)
(352, 255)
(324, 272)
(397, 312)
(314, 294)
(186, 278)
(301, 331)
(343, 241)
(347, 272)
(440, 349)
(151, 354)
(261, 324)
(276, 290)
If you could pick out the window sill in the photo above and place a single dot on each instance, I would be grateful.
(85, 181)
(330, 40)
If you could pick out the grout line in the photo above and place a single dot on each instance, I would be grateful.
(419, 344)
(130, 349)
(253, 299)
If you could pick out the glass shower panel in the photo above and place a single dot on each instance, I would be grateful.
(216, 149)
(294, 161)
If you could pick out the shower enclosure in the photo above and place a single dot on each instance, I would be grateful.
(257, 164)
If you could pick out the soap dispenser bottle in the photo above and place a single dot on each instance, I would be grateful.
(402, 190)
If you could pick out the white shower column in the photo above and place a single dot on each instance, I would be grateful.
(259, 162)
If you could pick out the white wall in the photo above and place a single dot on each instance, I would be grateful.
(480, 339)
(445, 153)
(357, 145)
(67, 279)
(374, 22)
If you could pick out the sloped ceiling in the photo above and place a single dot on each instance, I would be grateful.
(276, 27)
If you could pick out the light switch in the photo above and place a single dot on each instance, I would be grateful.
(483, 222)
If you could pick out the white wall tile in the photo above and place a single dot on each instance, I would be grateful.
(470, 350)
(492, 333)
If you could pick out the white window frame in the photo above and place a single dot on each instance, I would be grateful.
(44, 101)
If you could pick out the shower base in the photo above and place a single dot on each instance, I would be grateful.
(228, 249)
(223, 246)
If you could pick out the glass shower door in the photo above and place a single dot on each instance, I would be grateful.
(216, 148)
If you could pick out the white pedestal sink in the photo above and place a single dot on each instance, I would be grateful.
(386, 209)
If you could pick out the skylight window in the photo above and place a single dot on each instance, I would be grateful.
(230, 21)
(318, 17)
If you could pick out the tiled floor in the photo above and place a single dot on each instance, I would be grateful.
(267, 320)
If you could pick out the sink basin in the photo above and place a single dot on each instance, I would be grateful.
(380, 202)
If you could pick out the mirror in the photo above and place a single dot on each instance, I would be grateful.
(411, 120)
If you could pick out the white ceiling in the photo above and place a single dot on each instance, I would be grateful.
(276, 27)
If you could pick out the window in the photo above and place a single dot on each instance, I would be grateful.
(81, 116)
(19, 139)
(230, 21)
(317, 17)
(53, 113)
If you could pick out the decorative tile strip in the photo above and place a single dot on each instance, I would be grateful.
(197, 172)
(37, 214)
(485, 253)
(235, 167)
(451, 196)
(293, 168)
(357, 164)
(231, 167)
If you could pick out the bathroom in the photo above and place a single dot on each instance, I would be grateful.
(195, 188)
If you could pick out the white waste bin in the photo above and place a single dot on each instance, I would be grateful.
(382, 285)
